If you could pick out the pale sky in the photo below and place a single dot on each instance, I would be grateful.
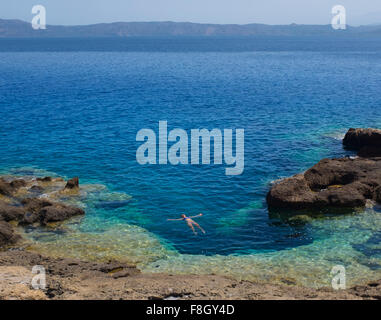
(72, 12)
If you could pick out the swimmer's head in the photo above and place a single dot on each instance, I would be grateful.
(183, 215)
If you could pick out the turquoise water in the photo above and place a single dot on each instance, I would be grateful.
(77, 114)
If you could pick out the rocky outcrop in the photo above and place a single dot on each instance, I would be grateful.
(11, 213)
(72, 183)
(34, 210)
(23, 208)
(340, 183)
(369, 152)
(8, 188)
(5, 188)
(57, 212)
(44, 211)
(344, 183)
(366, 141)
(44, 179)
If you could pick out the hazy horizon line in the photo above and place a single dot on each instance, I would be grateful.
(190, 22)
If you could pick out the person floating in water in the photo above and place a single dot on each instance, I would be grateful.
(190, 222)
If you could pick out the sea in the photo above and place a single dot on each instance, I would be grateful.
(73, 107)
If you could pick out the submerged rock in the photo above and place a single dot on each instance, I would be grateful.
(36, 189)
(11, 213)
(112, 204)
(7, 235)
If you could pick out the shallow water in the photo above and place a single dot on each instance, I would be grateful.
(77, 113)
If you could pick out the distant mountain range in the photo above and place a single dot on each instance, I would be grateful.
(22, 29)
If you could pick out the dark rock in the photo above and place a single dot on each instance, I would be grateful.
(369, 291)
(18, 183)
(7, 235)
(34, 205)
(5, 188)
(45, 211)
(72, 183)
(332, 183)
(36, 189)
(29, 218)
(292, 193)
(58, 212)
(378, 194)
(11, 213)
(358, 138)
(45, 179)
(30, 212)
(369, 152)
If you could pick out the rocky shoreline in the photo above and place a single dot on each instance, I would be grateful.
(78, 280)
(335, 185)
(347, 183)
(22, 203)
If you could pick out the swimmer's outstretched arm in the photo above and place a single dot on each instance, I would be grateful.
(175, 219)
(199, 215)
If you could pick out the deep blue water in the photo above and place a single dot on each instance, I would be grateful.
(77, 112)
(332, 43)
